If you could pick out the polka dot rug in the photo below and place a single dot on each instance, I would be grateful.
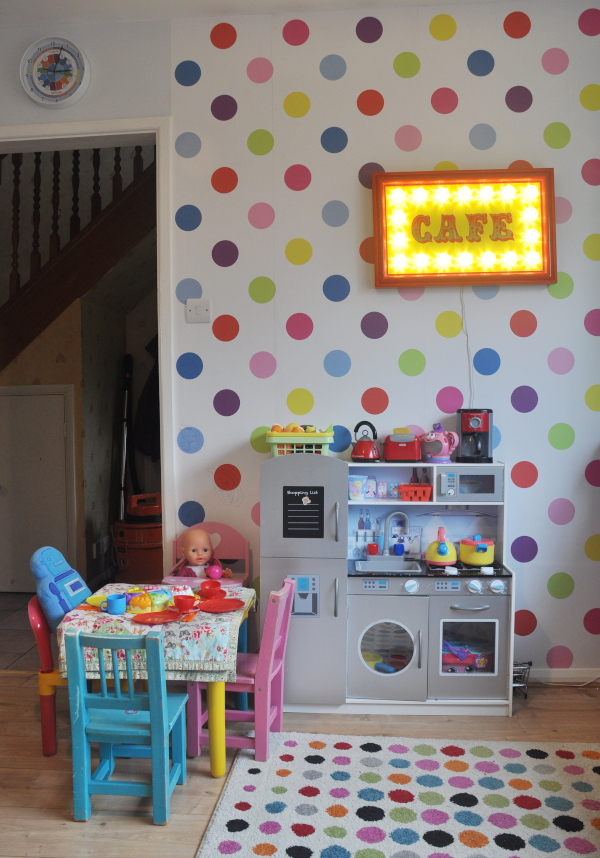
(385, 797)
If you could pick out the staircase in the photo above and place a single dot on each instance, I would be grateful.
(90, 252)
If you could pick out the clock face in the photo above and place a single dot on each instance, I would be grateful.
(54, 72)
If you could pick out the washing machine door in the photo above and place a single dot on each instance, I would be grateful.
(387, 647)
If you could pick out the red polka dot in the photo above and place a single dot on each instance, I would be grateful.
(444, 100)
(589, 22)
(520, 165)
(223, 36)
(370, 102)
(453, 751)
(226, 328)
(374, 400)
(523, 323)
(565, 755)
(309, 791)
(227, 477)
(297, 177)
(295, 32)
(524, 474)
(517, 25)
(302, 830)
(287, 758)
(243, 805)
(224, 180)
(299, 326)
(342, 746)
(527, 802)
(367, 250)
(525, 623)
(591, 621)
(401, 796)
(592, 473)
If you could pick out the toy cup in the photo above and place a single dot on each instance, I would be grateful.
(214, 572)
(208, 589)
(184, 603)
(115, 603)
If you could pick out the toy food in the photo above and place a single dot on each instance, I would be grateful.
(276, 427)
(140, 603)
(213, 572)
(96, 599)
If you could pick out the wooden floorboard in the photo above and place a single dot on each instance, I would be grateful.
(35, 791)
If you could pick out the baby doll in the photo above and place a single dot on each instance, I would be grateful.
(197, 553)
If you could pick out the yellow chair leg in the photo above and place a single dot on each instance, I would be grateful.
(216, 727)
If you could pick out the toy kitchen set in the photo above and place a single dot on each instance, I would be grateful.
(403, 604)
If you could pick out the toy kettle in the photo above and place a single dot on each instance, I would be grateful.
(365, 448)
(442, 552)
(437, 445)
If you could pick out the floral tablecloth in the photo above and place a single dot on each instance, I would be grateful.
(202, 650)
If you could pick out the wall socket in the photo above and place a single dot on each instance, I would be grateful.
(197, 310)
(101, 547)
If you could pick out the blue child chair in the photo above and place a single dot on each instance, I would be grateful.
(123, 722)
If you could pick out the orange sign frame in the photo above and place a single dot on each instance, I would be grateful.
(464, 227)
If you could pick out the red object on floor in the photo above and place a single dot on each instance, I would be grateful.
(48, 677)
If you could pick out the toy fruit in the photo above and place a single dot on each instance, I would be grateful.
(309, 428)
(276, 427)
(298, 429)
(214, 571)
(290, 427)
(96, 599)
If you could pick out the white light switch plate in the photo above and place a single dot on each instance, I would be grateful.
(197, 310)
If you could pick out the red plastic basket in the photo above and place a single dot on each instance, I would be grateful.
(412, 492)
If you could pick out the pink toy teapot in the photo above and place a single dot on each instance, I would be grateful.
(437, 445)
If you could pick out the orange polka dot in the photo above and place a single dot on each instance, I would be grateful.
(591, 755)
(283, 773)
(519, 784)
(456, 766)
(264, 849)
(337, 810)
(596, 822)
(399, 779)
(367, 250)
(473, 839)
(317, 745)
(520, 165)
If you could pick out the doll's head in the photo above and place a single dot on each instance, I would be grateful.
(196, 547)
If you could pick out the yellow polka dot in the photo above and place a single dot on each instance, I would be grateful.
(448, 324)
(591, 247)
(446, 165)
(300, 401)
(296, 104)
(592, 547)
(590, 96)
(298, 251)
(442, 27)
(592, 397)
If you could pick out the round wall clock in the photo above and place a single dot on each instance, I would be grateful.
(54, 72)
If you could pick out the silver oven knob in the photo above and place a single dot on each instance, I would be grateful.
(411, 586)
(497, 586)
(474, 586)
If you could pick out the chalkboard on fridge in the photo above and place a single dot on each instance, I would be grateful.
(303, 512)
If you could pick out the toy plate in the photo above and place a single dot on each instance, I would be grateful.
(214, 594)
(156, 618)
(221, 606)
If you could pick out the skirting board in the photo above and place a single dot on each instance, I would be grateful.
(572, 676)
(418, 707)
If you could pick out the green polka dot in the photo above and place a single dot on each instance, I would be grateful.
(300, 401)
(369, 853)
(551, 786)
(591, 247)
(563, 286)
(424, 750)
(446, 165)
(258, 440)
(402, 814)
(556, 135)
(260, 142)
(448, 324)
(298, 251)
(431, 798)
(590, 96)
(278, 790)
(412, 362)
(532, 820)
(262, 290)
(592, 397)
(482, 751)
(296, 104)
(561, 436)
(442, 27)
(592, 547)
(496, 801)
(560, 585)
(407, 64)
(335, 831)
(369, 777)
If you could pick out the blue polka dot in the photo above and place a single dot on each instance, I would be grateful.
(486, 361)
(190, 513)
(337, 363)
(340, 776)
(582, 786)
(336, 288)
(405, 836)
(189, 365)
(371, 794)
(188, 144)
(496, 437)
(335, 851)
(482, 136)
(188, 217)
(486, 292)
(332, 67)
(187, 73)
(556, 802)
(334, 140)
(335, 213)
(190, 440)
(275, 807)
(480, 63)
(399, 763)
(515, 768)
(466, 817)
(188, 288)
(341, 439)
(429, 781)
(491, 783)
(543, 843)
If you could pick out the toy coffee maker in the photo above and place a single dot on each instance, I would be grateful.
(475, 435)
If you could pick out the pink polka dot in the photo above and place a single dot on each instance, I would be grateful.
(299, 326)
(592, 323)
(255, 514)
(371, 834)
(561, 361)
(297, 177)
(486, 767)
(228, 847)
(398, 749)
(260, 70)
(592, 473)
(261, 215)
(249, 788)
(555, 61)
(295, 32)
(590, 172)
(573, 770)
(427, 765)
(408, 138)
(449, 400)
(262, 364)
(460, 782)
(561, 511)
(502, 820)
(434, 817)
(444, 100)
(290, 743)
(563, 209)
(510, 753)
(591, 621)
(342, 761)
(416, 430)
(410, 293)
(559, 657)
(270, 827)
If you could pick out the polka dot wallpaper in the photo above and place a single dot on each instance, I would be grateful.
(278, 124)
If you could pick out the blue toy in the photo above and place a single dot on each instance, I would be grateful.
(59, 588)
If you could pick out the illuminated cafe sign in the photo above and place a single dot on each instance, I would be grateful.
(458, 228)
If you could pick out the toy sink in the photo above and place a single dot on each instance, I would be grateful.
(383, 565)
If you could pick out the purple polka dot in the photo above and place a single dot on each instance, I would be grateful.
(340, 792)
(398, 749)
(511, 753)
(502, 820)
(408, 138)
(524, 399)
(518, 99)
(427, 765)
(225, 253)
(460, 782)
(371, 834)
(374, 325)
(342, 761)
(574, 770)
(449, 400)
(561, 511)
(250, 788)
(559, 656)
(224, 107)
(562, 209)
(299, 326)
(291, 744)
(226, 403)
(369, 29)
(592, 323)
(366, 171)
(524, 549)
(270, 827)
(555, 61)
(592, 473)
(262, 365)
(228, 847)
(487, 767)
(561, 361)
(434, 817)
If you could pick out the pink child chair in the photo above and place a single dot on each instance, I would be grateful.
(48, 677)
(261, 675)
(228, 545)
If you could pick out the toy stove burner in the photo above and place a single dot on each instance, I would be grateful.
(461, 570)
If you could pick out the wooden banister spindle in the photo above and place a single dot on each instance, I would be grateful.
(54, 234)
(117, 179)
(96, 198)
(138, 163)
(75, 222)
(15, 278)
(35, 260)
(2, 157)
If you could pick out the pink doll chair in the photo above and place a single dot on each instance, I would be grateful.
(261, 675)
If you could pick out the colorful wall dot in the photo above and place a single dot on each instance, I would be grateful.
(592, 397)
(370, 102)
(298, 251)
(299, 326)
(225, 253)
(592, 473)
(561, 361)
(367, 250)
(224, 180)
(297, 177)
(262, 290)
(261, 215)
(518, 99)
(592, 547)
(563, 286)
(335, 213)
(332, 67)
(225, 328)
(374, 400)
(226, 403)
(224, 107)
(408, 138)
(342, 439)
(555, 61)
(524, 549)
(525, 623)
(445, 165)
(260, 142)
(486, 361)
(517, 25)
(255, 514)
(562, 209)
(334, 140)
(448, 324)
(590, 171)
(591, 621)
(188, 288)
(561, 658)
(295, 32)
(191, 513)
(557, 135)
(366, 172)
(449, 400)
(188, 144)
(485, 293)
(560, 585)
(590, 96)
(374, 325)
(369, 30)
(442, 27)
(591, 246)
(337, 363)
(561, 436)
(523, 323)
(300, 401)
(561, 511)
(411, 293)
(336, 288)
(524, 474)
(591, 323)
(412, 362)
(188, 217)
(227, 477)
(262, 364)
(190, 439)
(296, 104)
(258, 441)
(407, 64)
(187, 73)
(524, 399)
(589, 22)
(259, 70)
(482, 136)
(520, 165)
(223, 36)
(444, 100)
(480, 63)
(189, 365)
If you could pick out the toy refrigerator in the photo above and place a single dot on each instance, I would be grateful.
(303, 535)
